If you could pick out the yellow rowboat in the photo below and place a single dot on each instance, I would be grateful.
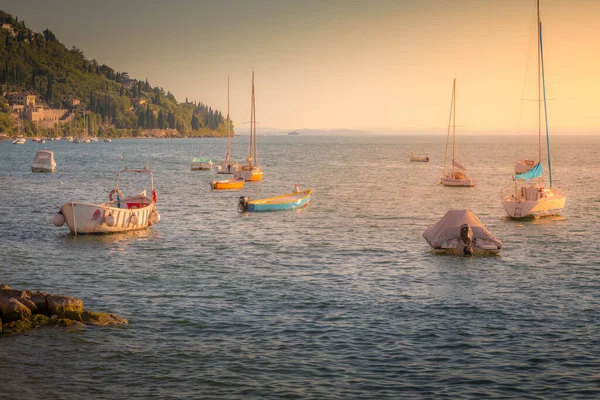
(231, 184)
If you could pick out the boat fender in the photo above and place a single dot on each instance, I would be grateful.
(110, 220)
(466, 234)
(154, 217)
(58, 219)
(243, 203)
(154, 196)
(112, 194)
(134, 219)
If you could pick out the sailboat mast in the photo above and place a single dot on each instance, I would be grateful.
(254, 115)
(539, 84)
(251, 122)
(453, 123)
(545, 105)
(228, 155)
(449, 123)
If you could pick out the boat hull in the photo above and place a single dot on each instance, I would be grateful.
(543, 207)
(92, 218)
(289, 201)
(43, 169)
(200, 167)
(232, 184)
(253, 174)
(477, 251)
(467, 182)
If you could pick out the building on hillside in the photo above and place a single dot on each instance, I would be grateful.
(75, 102)
(22, 98)
(138, 101)
(128, 83)
(9, 28)
(38, 113)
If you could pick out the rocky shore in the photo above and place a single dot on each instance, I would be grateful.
(24, 310)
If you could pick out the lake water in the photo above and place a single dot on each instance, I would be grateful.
(343, 299)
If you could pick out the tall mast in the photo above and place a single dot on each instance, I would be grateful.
(545, 104)
(254, 115)
(228, 156)
(453, 123)
(539, 24)
(449, 122)
(251, 122)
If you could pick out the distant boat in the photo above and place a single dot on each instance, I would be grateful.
(294, 133)
(251, 171)
(201, 164)
(287, 201)
(458, 175)
(460, 232)
(43, 162)
(419, 157)
(530, 198)
(21, 140)
(120, 214)
(522, 166)
(227, 167)
(108, 140)
(231, 184)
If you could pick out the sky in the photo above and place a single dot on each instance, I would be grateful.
(348, 64)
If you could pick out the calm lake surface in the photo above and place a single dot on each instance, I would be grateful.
(342, 299)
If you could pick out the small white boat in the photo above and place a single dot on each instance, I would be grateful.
(20, 140)
(201, 164)
(93, 139)
(107, 140)
(461, 232)
(120, 214)
(418, 157)
(44, 162)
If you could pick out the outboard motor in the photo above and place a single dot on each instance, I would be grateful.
(243, 204)
(466, 234)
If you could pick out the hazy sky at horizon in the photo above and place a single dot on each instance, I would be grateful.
(347, 63)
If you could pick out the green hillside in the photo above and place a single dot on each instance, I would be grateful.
(111, 103)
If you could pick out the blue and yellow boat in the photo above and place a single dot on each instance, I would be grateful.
(288, 201)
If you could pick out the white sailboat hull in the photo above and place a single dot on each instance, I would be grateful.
(453, 180)
(527, 204)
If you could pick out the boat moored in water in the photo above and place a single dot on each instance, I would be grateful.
(287, 201)
(119, 214)
(43, 161)
(418, 157)
(231, 184)
(201, 164)
(461, 232)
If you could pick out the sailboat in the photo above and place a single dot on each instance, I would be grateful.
(226, 167)
(251, 171)
(528, 197)
(457, 176)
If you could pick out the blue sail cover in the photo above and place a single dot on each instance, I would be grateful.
(534, 172)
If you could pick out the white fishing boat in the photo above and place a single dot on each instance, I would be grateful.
(20, 140)
(528, 197)
(227, 166)
(461, 232)
(251, 171)
(201, 164)
(418, 157)
(44, 161)
(119, 214)
(457, 176)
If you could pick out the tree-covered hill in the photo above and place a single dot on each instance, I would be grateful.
(111, 102)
